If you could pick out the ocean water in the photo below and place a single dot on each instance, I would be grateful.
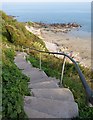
(53, 13)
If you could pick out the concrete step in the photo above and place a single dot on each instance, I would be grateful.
(59, 109)
(31, 113)
(21, 54)
(47, 103)
(23, 65)
(62, 94)
(43, 79)
(31, 69)
(18, 60)
(35, 75)
(43, 85)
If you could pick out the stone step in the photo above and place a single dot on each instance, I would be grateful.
(19, 57)
(23, 65)
(21, 54)
(62, 94)
(35, 75)
(31, 69)
(43, 79)
(47, 103)
(19, 60)
(43, 85)
(31, 113)
(59, 109)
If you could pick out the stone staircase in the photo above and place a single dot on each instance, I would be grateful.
(47, 100)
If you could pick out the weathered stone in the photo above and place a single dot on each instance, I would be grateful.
(43, 85)
(60, 109)
(31, 113)
(50, 101)
(62, 94)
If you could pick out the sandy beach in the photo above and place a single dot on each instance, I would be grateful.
(58, 41)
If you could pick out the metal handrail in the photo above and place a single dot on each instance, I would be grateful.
(88, 90)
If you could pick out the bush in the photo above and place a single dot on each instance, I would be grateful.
(52, 66)
(14, 88)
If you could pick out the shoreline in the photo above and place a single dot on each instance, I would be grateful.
(64, 42)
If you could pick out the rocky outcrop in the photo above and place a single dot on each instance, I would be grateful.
(58, 25)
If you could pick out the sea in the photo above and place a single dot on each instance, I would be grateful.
(53, 12)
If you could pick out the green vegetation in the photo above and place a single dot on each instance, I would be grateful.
(52, 66)
(16, 33)
(30, 23)
(14, 83)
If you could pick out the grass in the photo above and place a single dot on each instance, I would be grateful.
(52, 66)
(14, 87)
(16, 33)
(14, 83)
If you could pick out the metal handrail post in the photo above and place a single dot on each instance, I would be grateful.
(18, 49)
(62, 73)
(14, 48)
(28, 50)
(22, 49)
(40, 60)
(88, 90)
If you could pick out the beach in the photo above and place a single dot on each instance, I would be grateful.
(60, 40)
(55, 38)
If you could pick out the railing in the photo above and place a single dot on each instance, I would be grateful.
(88, 90)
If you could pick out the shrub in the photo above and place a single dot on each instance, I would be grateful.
(14, 88)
